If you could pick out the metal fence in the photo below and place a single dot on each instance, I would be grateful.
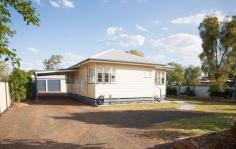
(5, 100)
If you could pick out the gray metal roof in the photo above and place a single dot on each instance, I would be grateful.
(124, 57)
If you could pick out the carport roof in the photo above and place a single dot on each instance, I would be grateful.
(53, 72)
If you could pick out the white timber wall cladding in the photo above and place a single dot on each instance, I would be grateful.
(130, 83)
(5, 100)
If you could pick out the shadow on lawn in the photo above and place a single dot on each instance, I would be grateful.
(131, 119)
(45, 144)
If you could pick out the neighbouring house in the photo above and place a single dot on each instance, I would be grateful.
(115, 76)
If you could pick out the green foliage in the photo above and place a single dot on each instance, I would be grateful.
(171, 91)
(192, 75)
(175, 77)
(219, 47)
(4, 70)
(136, 52)
(23, 7)
(189, 92)
(220, 90)
(20, 83)
(53, 62)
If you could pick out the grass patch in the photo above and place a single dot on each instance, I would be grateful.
(141, 106)
(217, 116)
(220, 115)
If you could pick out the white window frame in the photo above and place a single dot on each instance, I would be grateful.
(99, 69)
(160, 77)
(106, 71)
(113, 73)
(91, 74)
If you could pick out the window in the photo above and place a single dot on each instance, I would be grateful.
(99, 75)
(54, 85)
(147, 74)
(160, 78)
(91, 75)
(41, 84)
(113, 75)
(105, 74)
(70, 78)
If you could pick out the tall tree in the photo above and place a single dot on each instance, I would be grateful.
(219, 47)
(136, 52)
(53, 62)
(23, 7)
(175, 77)
(192, 75)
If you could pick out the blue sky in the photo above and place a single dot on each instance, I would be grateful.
(164, 30)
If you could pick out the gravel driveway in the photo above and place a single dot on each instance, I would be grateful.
(58, 122)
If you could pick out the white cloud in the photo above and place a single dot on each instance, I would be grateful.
(55, 3)
(33, 50)
(62, 3)
(116, 36)
(112, 30)
(68, 3)
(156, 21)
(182, 44)
(126, 40)
(197, 18)
(164, 28)
(141, 28)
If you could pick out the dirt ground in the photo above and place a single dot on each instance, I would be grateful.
(58, 122)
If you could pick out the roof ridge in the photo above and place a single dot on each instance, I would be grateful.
(101, 53)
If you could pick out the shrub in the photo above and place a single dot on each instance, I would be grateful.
(189, 92)
(19, 82)
(171, 91)
(218, 90)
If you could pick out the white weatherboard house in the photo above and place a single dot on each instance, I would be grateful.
(117, 76)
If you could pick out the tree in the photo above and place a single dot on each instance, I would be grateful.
(19, 83)
(175, 77)
(192, 75)
(219, 47)
(4, 70)
(23, 7)
(53, 62)
(136, 52)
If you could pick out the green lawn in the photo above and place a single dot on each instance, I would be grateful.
(216, 116)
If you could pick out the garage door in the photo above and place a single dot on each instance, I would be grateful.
(54, 86)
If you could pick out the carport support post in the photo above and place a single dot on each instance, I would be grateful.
(36, 87)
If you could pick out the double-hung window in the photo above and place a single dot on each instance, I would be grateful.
(113, 75)
(91, 74)
(105, 74)
(160, 77)
(99, 74)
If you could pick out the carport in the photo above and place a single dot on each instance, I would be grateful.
(51, 85)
